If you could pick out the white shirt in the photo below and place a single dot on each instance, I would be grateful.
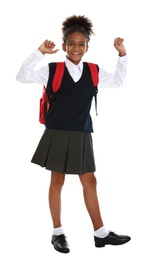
(28, 74)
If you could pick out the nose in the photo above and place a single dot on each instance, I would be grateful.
(76, 46)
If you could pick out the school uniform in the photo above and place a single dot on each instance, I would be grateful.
(66, 145)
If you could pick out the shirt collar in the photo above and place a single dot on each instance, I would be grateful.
(70, 66)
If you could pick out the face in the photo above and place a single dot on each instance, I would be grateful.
(76, 46)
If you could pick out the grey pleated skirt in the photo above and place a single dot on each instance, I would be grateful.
(65, 152)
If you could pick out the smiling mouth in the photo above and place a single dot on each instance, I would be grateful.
(76, 53)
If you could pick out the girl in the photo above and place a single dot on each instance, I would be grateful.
(66, 145)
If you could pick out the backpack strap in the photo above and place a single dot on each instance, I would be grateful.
(58, 76)
(47, 101)
(57, 79)
(94, 72)
(95, 78)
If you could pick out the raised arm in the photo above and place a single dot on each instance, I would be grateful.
(27, 72)
(116, 78)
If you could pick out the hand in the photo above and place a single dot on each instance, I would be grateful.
(47, 47)
(118, 44)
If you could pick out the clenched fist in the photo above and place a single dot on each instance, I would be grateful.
(118, 44)
(47, 47)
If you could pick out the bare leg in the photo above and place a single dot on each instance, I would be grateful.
(88, 182)
(57, 181)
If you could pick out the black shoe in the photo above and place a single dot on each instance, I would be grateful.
(111, 239)
(60, 243)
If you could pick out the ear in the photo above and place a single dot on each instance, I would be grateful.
(64, 47)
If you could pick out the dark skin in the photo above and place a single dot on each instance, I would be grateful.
(76, 46)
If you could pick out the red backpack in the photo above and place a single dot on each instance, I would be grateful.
(45, 101)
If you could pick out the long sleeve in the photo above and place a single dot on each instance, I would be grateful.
(116, 79)
(27, 72)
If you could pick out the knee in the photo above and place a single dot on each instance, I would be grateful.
(88, 181)
(57, 179)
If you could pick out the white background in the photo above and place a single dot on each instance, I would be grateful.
(124, 137)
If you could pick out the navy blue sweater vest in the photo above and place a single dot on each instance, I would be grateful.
(71, 109)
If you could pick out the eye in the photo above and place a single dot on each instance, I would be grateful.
(70, 43)
(82, 44)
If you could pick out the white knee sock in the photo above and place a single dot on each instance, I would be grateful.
(101, 232)
(58, 231)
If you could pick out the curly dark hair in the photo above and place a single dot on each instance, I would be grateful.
(78, 23)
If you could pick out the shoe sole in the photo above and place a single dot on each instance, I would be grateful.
(65, 251)
(117, 244)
